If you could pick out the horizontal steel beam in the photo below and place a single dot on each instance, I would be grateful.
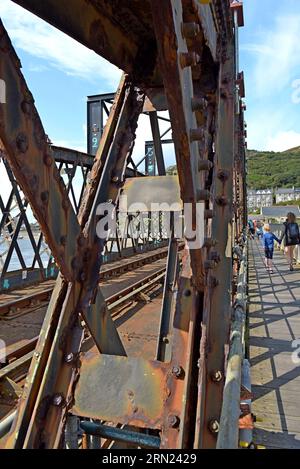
(120, 434)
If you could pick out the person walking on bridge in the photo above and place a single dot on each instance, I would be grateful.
(291, 237)
(268, 243)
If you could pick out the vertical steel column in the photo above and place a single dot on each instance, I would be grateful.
(217, 303)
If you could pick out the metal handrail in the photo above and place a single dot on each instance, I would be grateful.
(228, 436)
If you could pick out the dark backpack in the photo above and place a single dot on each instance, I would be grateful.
(293, 231)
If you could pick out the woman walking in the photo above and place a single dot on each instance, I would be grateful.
(291, 237)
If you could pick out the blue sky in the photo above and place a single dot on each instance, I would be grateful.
(61, 73)
(270, 58)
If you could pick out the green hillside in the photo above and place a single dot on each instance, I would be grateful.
(268, 169)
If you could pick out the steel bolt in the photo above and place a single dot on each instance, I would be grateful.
(173, 421)
(187, 59)
(165, 340)
(177, 371)
(204, 165)
(63, 240)
(190, 30)
(45, 197)
(197, 134)
(223, 174)
(115, 179)
(22, 143)
(198, 104)
(217, 376)
(203, 195)
(221, 200)
(214, 426)
(83, 276)
(58, 400)
(48, 160)
(65, 204)
(26, 107)
(69, 357)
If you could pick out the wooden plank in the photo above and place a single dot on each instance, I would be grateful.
(274, 322)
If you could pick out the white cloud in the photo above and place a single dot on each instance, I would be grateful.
(283, 141)
(277, 55)
(56, 49)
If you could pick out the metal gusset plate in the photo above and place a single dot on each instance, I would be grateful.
(131, 391)
(217, 300)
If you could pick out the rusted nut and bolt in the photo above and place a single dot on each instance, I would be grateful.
(173, 421)
(177, 371)
(188, 59)
(48, 160)
(45, 197)
(197, 134)
(82, 276)
(198, 104)
(187, 292)
(203, 195)
(221, 200)
(223, 174)
(190, 30)
(63, 240)
(214, 426)
(204, 165)
(22, 143)
(65, 204)
(58, 400)
(115, 178)
(217, 376)
(26, 106)
(69, 358)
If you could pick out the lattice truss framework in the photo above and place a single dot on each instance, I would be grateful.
(179, 56)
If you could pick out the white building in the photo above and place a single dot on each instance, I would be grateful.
(285, 195)
(259, 198)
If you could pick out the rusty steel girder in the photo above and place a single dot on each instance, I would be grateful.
(181, 53)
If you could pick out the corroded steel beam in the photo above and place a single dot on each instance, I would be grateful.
(176, 63)
(119, 31)
(217, 301)
(70, 300)
(179, 409)
(29, 155)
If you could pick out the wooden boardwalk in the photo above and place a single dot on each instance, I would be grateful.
(274, 322)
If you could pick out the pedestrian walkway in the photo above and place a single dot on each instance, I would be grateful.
(274, 323)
